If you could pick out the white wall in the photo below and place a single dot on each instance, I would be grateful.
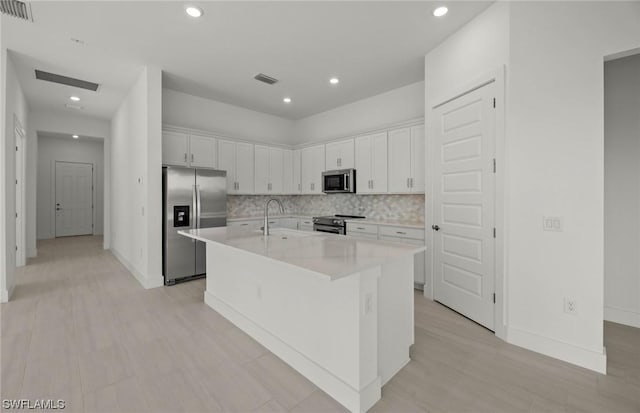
(181, 109)
(136, 188)
(52, 149)
(62, 122)
(556, 151)
(622, 190)
(14, 104)
(392, 107)
(554, 154)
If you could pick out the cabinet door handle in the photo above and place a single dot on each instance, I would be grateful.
(191, 157)
(299, 187)
(401, 233)
(408, 183)
(411, 181)
(359, 228)
(185, 157)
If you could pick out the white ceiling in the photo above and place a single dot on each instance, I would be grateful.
(371, 46)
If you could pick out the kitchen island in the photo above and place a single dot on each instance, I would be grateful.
(337, 309)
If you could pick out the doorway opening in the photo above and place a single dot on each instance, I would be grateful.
(74, 199)
(622, 213)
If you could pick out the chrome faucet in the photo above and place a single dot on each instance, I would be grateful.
(265, 228)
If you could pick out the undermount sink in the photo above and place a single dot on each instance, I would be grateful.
(285, 233)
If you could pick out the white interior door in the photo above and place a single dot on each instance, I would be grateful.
(464, 182)
(74, 199)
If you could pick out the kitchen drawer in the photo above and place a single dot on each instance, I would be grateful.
(252, 224)
(305, 222)
(411, 241)
(365, 235)
(402, 232)
(361, 227)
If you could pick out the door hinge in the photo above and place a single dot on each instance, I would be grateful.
(494, 298)
(16, 148)
(16, 182)
(16, 215)
(16, 248)
(494, 102)
(494, 232)
(494, 165)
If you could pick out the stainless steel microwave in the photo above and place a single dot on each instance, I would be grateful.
(340, 181)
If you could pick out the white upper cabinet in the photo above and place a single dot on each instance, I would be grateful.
(244, 165)
(297, 172)
(184, 149)
(340, 155)
(287, 172)
(269, 170)
(406, 160)
(203, 151)
(175, 148)
(417, 158)
(261, 170)
(371, 163)
(312, 161)
(237, 159)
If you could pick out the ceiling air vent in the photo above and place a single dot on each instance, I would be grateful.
(64, 80)
(265, 79)
(15, 8)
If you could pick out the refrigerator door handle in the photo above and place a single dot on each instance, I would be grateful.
(198, 206)
(194, 203)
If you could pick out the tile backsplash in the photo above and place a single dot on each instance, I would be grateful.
(393, 207)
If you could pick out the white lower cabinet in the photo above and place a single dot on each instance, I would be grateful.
(404, 235)
(305, 224)
(291, 223)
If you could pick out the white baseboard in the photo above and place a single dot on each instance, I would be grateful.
(352, 399)
(560, 350)
(620, 316)
(146, 282)
(5, 295)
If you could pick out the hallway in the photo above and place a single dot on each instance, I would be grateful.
(81, 328)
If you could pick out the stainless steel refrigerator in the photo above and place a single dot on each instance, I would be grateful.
(192, 198)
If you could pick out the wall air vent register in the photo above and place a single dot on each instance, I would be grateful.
(68, 81)
(15, 8)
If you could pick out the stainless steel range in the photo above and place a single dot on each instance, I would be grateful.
(334, 224)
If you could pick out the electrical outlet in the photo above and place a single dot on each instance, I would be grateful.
(553, 224)
(570, 306)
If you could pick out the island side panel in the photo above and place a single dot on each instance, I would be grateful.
(395, 316)
(320, 327)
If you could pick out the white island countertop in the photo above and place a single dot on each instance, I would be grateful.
(328, 255)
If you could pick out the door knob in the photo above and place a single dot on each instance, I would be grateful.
(435, 227)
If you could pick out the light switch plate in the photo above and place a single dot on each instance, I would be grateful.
(553, 224)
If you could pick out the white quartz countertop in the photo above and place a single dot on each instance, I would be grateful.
(271, 216)
(329, 255)
(390, 222)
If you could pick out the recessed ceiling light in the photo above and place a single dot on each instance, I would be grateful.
(75, 136)
(194, 11)
(75, 98)
(440, 11)
(286, 100)
(334, 80)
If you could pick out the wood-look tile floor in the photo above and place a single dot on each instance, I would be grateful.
(80, 328)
